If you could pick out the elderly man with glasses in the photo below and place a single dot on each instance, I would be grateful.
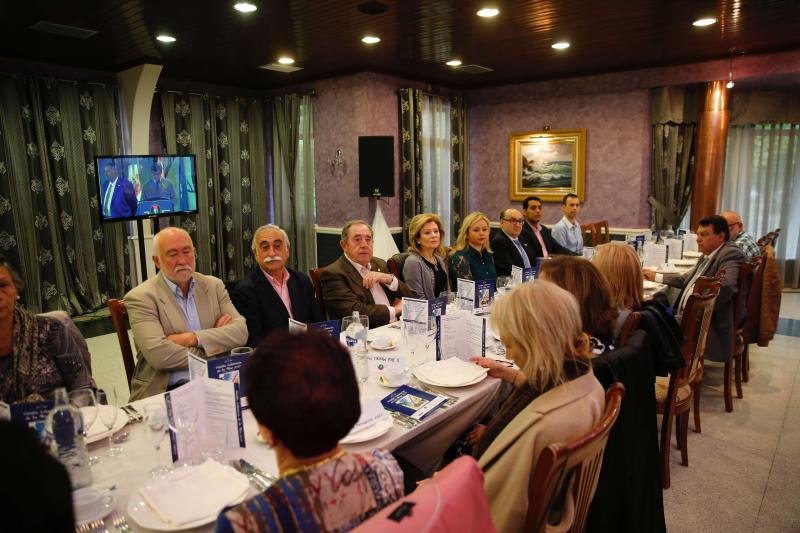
(740, 238)
(508, 249)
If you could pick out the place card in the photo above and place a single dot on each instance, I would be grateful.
(378, 363)
(217, 408)
(412, 402)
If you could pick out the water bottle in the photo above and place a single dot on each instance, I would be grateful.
(356, 337)
(65, 427)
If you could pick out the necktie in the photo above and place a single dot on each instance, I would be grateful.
(107, 199)
(701, 268)
(525, 261)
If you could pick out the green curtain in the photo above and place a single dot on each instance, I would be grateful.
(411, 162)
(293, 176)
(50, 132)
(227, 136)
(458, 163)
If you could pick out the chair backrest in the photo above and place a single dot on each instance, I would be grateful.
(602, 232)
(453, 500)
(589, 237)
(744, 286)
(695, 323)
(750, 327)
(770, 238)
(395, 264)
(119, 316)
(564, 479)
(630, 325)
(314, 273)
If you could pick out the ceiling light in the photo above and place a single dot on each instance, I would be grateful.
(704, 22)
(245, 7)
(561, 45)
(166, 38)
(285, 60)
(370, 39)
(454, 63)
(487, 12)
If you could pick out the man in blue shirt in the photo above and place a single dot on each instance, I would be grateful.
(567, 232)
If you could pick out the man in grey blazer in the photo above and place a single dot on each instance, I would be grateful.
(718, 253)
(177, 312)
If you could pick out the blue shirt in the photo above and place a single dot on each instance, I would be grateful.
(569, 235)
(189, 310)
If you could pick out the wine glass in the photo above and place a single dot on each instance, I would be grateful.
(84, 399)
(411, 337)
(155, 416)
(185, 423)
(429, 337)
(504, 284)
(108, 416)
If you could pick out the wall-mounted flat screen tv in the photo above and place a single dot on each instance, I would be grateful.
(146, 186)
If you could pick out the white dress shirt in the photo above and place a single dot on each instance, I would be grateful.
(378, 295)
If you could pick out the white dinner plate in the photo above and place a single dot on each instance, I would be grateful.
(693, 254)
(142, 514)
(419, 373)
(374, 431)
(391, 346)
(81, 517)
(650, 285)
(97, 431)
(684, 262)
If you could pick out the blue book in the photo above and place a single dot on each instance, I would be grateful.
(437, 306)
(32, 415)
(333, 327)
(412, 402)
(484, 293)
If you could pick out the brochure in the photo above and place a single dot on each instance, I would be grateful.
(437, 306)
(213, 408)
(674, 248)
(412, 402)
(32, 415)
(465, 293)
(484, 294)
(226, 368)
(415, 311)
(333, 327)
(463, 335)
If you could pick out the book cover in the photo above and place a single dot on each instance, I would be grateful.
(333, 327)
(412, 402)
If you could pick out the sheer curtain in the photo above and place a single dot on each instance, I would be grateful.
(762, 183)
(436, 154)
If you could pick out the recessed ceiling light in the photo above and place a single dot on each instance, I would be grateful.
(704, 22)
(454, 63)
(285, 60)
(561, 45)
(370, 39)
(166, 38)
(487, 12)
(245, 7)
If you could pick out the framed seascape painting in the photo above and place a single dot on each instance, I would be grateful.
(547, 164)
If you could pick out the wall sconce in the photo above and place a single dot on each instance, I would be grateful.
(337, 161)
(730, 83)
(546, 127)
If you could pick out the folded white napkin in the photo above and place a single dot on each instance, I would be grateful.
(450, 372)
(194, 493)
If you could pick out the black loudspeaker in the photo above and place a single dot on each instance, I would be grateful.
(375, 166)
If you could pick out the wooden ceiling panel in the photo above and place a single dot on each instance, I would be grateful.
(219, 45)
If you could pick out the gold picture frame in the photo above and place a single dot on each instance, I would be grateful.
(547, 164)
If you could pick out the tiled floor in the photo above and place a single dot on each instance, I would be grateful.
(744, 468)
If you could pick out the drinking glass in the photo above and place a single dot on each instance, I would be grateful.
(155, 416)
(411, 338)
(185, 422)
(428, 338)
(504, 284)
(84, 399)
(108, 416)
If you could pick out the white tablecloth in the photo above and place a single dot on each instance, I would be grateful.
(423, 445)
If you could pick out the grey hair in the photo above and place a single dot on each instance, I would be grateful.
(156, 238)
(350, 223)
(253, 245)
(19, 283)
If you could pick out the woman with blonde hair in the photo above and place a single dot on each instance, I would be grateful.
(424, 270)
(471, 257)
(555, 399)
(620, 265)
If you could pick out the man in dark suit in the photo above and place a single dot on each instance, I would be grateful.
(119, 198)
(160, 188)
(508, 249)
(718, 253)
(359, 282)
(535, 234)
(273, 293)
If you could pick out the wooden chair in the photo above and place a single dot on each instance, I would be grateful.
(750, 328)
(570, 468)
(314, 273)
(395, 264)
(674, 394)
(630, 325)
(589, 237)
(602, 232)
(770, 238)
(741, 317)
(119, 316)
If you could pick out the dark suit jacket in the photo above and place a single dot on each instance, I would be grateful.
(343, 292)
(719, 344)
(552, 245)
(161, 190)
(256, 299)
(123, 201)
(507, 255)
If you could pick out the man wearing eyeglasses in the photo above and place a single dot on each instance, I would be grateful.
(741, 238)
(508, 249)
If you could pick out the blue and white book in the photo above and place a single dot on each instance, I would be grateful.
(484, 294)
(332, 327)
(226, 367)
(215, 408)
(32, 415)
(412, 402)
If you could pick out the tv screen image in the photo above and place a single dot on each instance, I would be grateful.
(146, 186)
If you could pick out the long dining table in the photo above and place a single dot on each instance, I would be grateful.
(423, 444)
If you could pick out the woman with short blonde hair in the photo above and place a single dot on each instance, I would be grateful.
(620, 265)
(556, 397)
(471, 256)
(424, 269)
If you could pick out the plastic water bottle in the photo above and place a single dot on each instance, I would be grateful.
(356, 337)
(65, 427)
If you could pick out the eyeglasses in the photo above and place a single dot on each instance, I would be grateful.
(514, 220)
(734, 224)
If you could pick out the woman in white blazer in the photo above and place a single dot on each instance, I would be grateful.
(556, 396)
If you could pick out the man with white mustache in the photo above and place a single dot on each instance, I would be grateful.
(177, 312)
(273, 293)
